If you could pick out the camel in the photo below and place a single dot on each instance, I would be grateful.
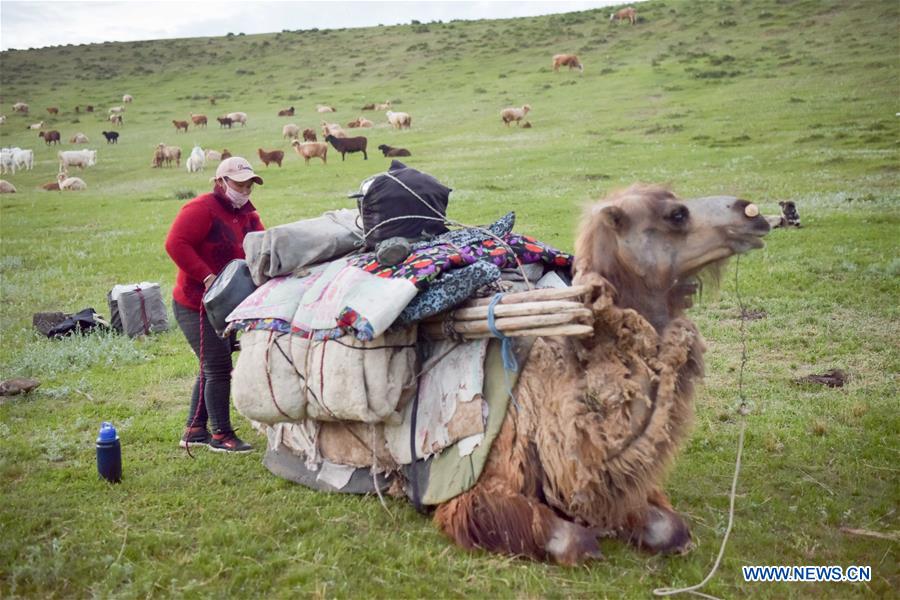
(597, 420)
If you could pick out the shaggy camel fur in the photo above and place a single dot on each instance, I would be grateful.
(598, 420)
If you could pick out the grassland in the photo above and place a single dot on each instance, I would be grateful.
(769, 100)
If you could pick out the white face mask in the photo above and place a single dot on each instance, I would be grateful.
(237, 199)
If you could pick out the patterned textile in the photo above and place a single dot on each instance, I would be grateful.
(430, 259)
(452, 288)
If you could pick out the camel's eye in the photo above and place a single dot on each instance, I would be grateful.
(678, 216)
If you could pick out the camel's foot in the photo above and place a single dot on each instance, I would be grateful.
(663, 532)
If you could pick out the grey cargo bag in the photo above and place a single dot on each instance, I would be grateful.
(141, 310)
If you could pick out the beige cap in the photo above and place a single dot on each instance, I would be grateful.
(237, 169)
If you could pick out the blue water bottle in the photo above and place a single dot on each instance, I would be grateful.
(109, 453)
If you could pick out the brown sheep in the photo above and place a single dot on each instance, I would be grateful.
(53, 110)
(389, 151)
(224, 122)
(626, 14)
(309, 135)
(514, 114)
(286, 112)
(275, 156)
(198, 120)
(309, 150)
(567, 60)
(179, 125)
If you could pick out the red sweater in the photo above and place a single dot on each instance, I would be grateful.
(206, 235)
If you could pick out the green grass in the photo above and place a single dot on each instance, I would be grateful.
(769, 100)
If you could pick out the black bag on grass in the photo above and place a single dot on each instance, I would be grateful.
(401, 192)
(81, 322)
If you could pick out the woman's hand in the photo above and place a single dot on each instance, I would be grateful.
(207, 281)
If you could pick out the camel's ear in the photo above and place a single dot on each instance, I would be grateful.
(614, 217)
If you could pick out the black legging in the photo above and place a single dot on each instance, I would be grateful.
(215, 371)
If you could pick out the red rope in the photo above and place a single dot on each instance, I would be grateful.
(269, 377)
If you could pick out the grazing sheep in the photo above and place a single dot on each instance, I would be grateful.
(321, 108)
(386, 105)
(196, 161)
(36, 126)
(332, 129)
(286, 112)
(225, 153)
(70, 184)
(7, 163)
(2, 119)
(20, 107)
(309, 135)
(117, 119)
(789, 216)
(310, 150)
(116, 110)
(514, 114)
(198, 120)
(274, 156)
(53, 110)
(76, 158)
(567, 60)
(6, 187)
(167, 154)
(179, 125)
(238, 117)
(112, 137)
(348, 145)
(224, 122)
(89, 108)
(127, 98)
(53, 186)
(526, 125)
(389, 151)
(213, 155)
(399, 120)
(625, 14)
(49, 137)
(370, 106)
(360, 122)
(78, 138)
(290, 131)
(23, 159)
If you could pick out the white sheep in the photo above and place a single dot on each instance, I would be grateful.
(399, 120)
(116, 118)
(7, 160)
(70, 184)
(23, 159)
(385, 106)
(333, 129)
(20, 107)
(76, 158)
(2, 119)
(196, 161)
(213, 155)
(321, 108)
(79, 138)
(116, 110)
(127, 98)
(238, 117)
(514, 114)
(6, 187)
(290, 130)
(36, 125)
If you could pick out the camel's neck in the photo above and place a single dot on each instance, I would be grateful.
(634, 293)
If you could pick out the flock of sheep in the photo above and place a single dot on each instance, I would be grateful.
(334, 134)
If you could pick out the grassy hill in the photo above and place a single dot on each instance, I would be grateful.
(768, 100)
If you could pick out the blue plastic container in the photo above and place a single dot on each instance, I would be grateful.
(109, 453)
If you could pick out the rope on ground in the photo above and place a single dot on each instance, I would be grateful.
(743, 411)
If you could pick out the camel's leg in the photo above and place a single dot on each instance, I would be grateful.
(515, 524)
(658, 528)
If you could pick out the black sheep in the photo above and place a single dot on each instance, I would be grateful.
(345, 145)
(112, 137)
(389, 151)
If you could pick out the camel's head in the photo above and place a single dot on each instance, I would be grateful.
(651, 245)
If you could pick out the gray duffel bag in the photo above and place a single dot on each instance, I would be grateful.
(230, 287)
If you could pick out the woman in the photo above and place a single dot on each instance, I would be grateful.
(208, 233)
